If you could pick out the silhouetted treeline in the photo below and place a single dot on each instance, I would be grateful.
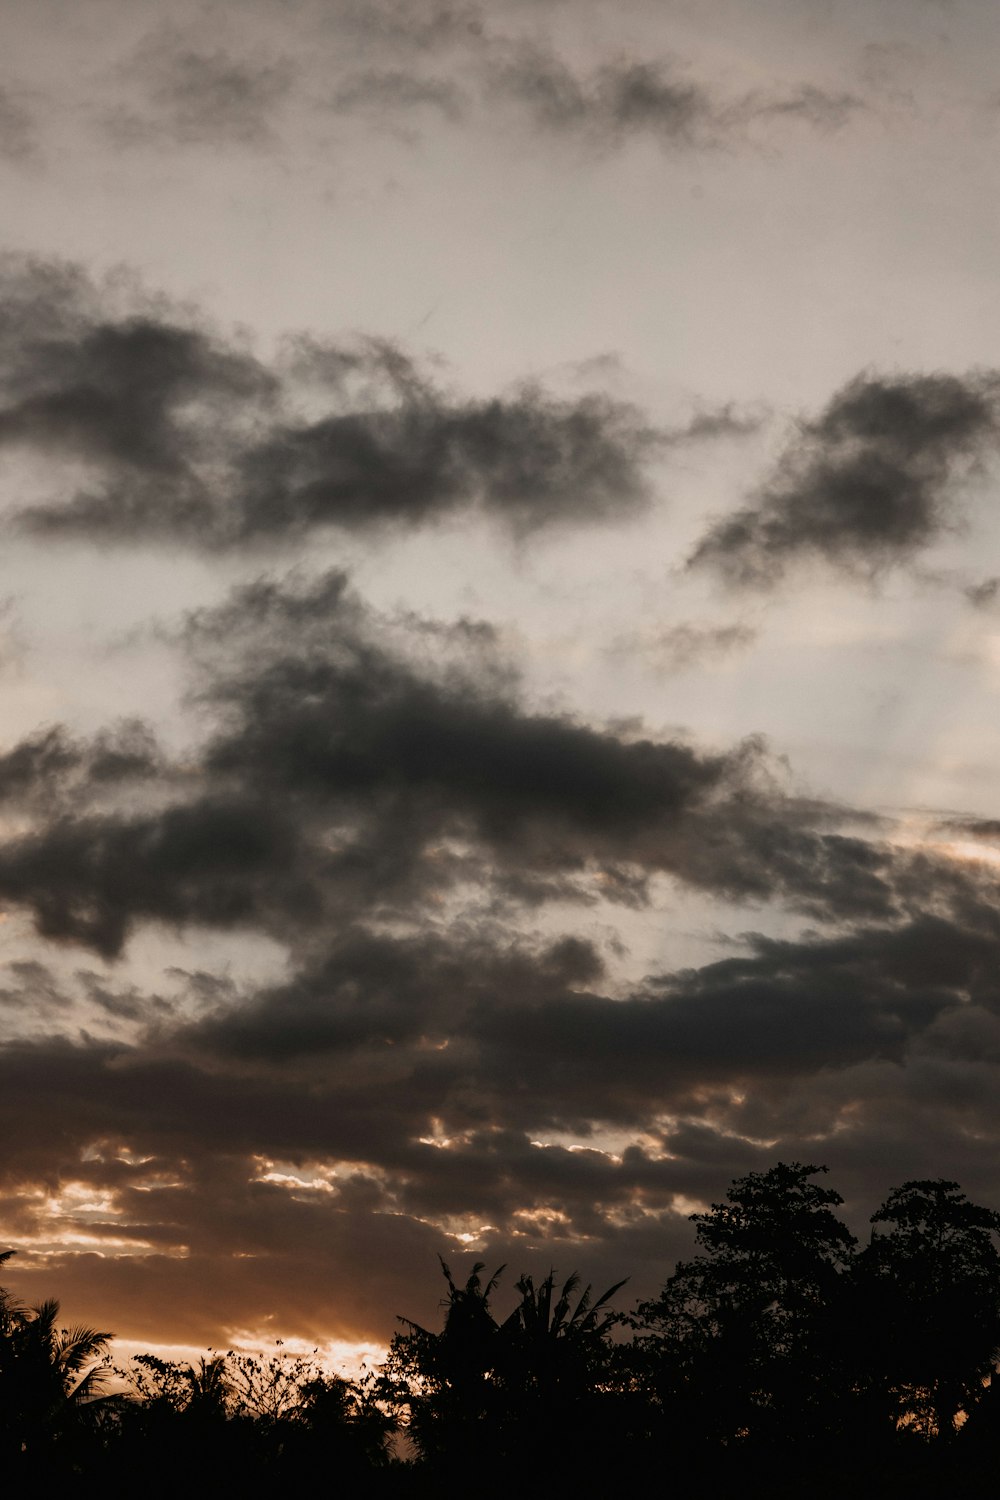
(782, 1359)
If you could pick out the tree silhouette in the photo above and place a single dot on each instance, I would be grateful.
(743, 1344)
(505, 1391)
(52, 1379)
(778, 1360)
(448, 1383)
(559, 1370)
(240, 1414)
(929, 1286)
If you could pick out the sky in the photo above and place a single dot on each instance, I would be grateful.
(499, 638)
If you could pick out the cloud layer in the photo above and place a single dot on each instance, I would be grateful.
(437, 1082)
(428, 1066)
(451, 1052)
(344, 776)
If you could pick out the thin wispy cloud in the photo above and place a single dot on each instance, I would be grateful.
(182, 96)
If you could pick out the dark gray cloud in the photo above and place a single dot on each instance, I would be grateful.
(474, 1030)
(30, 987)
(352, 771)
(726, 421)
(316, 706)
(150, 407)
(212, 862)
(337, 771)
(184, 437)
(53, 768)
(868, 483)
(423, 1082)
(529, 459)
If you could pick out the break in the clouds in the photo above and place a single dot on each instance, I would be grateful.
(869, 483)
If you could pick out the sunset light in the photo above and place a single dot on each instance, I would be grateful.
(500, 755)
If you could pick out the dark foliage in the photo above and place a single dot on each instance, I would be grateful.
(744, 1344)
(780, 1358)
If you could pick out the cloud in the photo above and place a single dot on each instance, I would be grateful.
(617, 100)
(983, 595)
(131, 410)
(428, 1085)
(414, 28)
(316, 703)
(624, 98)
(726, 421)
(529, 459)
(389, 91)
(679, 648)
(348, 774)
(971, 828)
(18, 135)
(270, 83)
(165, 431)
(51, 767)
(188, 97)
(869, 483)
(32, 988)
(473, 1028)
(213, 862)
(815, 106)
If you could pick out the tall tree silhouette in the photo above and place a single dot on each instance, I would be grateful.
(743, 1345)
(929, 1287)
(51, 1379)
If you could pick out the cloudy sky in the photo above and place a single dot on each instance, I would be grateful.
(499, 637)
